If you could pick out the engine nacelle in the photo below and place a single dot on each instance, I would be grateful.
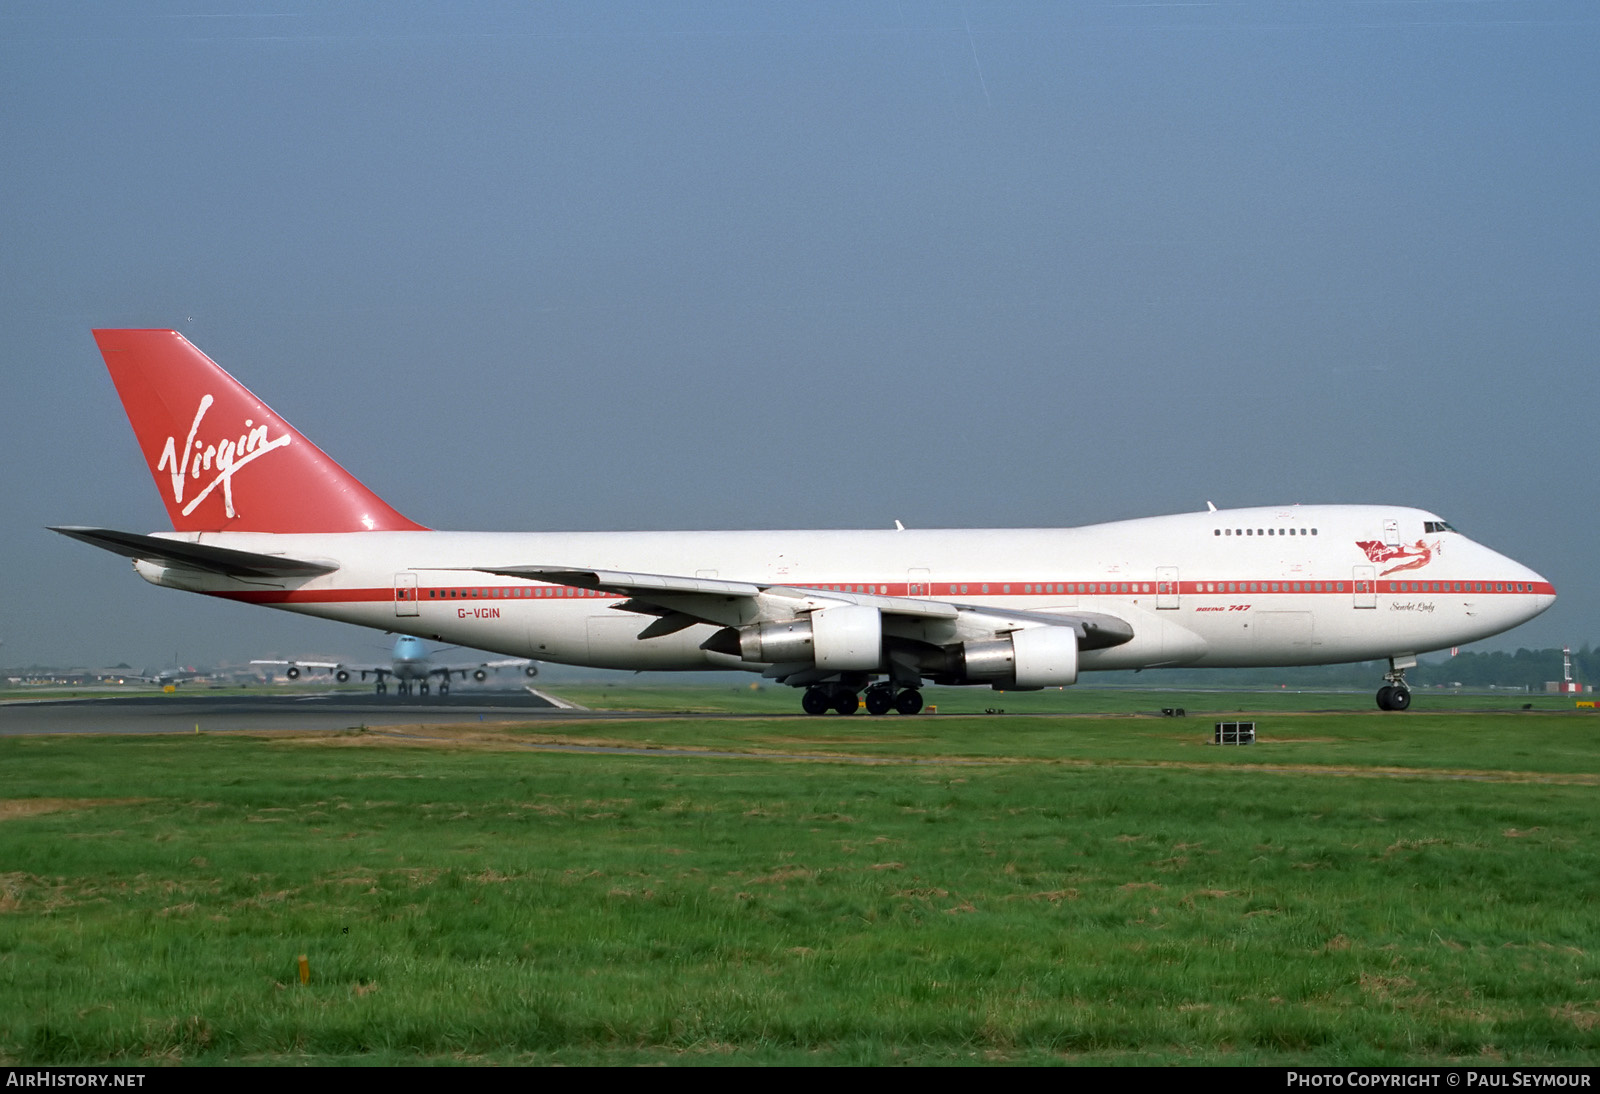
(292, 672)
(777, 643)
(848, 638)
(1040, 657)
(479, 675)
(343, 676)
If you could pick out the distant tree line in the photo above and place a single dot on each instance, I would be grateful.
(1525, 668)
(1530, 668)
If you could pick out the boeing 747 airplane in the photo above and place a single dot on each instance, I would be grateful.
(410, 664)
(260, 515)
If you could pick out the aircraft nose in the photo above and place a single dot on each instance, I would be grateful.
(1544, 594)
(1539, 594)
(1534, 592)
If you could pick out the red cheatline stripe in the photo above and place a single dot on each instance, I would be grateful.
(937, 590)
(307, 596)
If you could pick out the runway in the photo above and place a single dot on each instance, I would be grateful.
(236, 713)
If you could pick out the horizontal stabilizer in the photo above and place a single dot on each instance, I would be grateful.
(196, 556)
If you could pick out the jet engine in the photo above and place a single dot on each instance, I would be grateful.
(1039, 657)
(479, 675)
(848, 638)
(292, 672)
(343, 676)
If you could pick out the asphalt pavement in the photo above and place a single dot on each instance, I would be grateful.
(234, 713)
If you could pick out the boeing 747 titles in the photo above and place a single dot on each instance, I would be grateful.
(260, 515)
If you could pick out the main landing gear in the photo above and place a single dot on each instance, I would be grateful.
(1394, 695)
(406, 687)
(880, 699)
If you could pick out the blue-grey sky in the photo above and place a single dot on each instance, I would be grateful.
(609, 265)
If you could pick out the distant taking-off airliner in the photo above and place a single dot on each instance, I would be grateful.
(410, 664)
(262, 516)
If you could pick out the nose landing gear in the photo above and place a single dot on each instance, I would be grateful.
(1394, 695)
(1391, 697)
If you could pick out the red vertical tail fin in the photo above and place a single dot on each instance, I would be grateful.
(222, 459)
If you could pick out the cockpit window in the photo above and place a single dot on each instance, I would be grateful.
(1436, 526)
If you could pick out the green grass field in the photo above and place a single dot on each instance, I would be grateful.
(769, 698)
(1359, 888)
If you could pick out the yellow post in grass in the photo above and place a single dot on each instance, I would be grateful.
(305, 970)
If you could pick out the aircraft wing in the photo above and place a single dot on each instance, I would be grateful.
(667, 592)
(195, 556)
(320, 666)
(479, 670)
(616, 581)
(341, 670)
(680, 602)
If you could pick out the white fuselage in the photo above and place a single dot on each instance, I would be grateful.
(1269, 586)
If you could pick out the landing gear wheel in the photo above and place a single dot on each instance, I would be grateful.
(846, 701)
(815, 701)
(444, 689)
(909, 701)
(423, 688)
(382, 687)
(1394, 697)
(880, 699)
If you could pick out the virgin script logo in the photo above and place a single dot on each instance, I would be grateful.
(225, 458)
(1412, 557)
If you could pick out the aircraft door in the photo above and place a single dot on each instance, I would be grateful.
(1166, 587)
(405, 594)
(1365, 580)
(918, 583)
